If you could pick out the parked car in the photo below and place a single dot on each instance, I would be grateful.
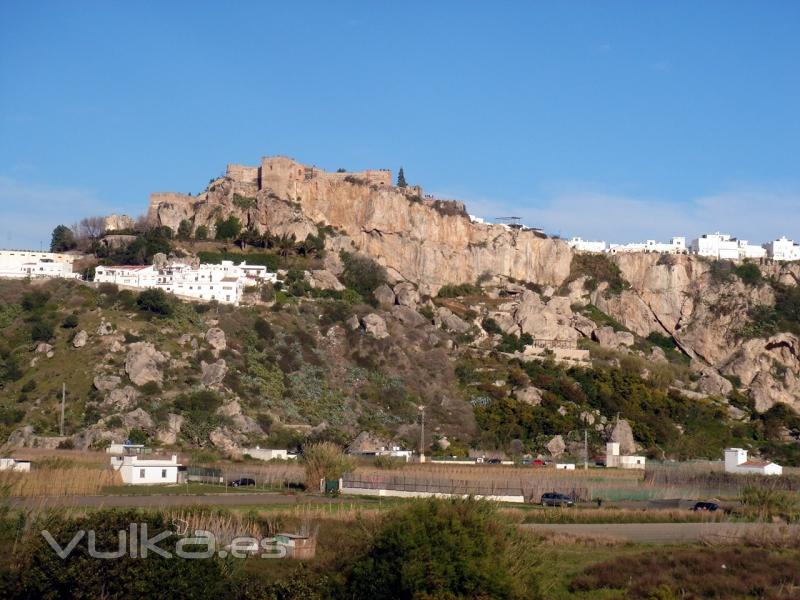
(705, 506)
(494, 461)
(244, 481)
(539, 463)
(555, 499)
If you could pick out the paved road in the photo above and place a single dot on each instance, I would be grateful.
(663, 533)
(157, 501)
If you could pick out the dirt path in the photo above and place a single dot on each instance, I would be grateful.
(664, 533)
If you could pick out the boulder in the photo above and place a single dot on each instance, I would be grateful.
(623, 434)
(122, 398)
(406, 294)
(105, 329)
(323, 279)
(530, 395)
(384, 295)
(213, 373)
(80, 339)
(710, 381)
(587, 417)
(451, 321)
(375, 326)
(548, 321)
(142, 363)
(227, 440)
(137, 419)
(352, 323)
(216, 338)
(168, 434)
(408, 316)
(556, 446)
(367, 442)
(230, 409)
(609, 338)
(43, 348)
(106, 383)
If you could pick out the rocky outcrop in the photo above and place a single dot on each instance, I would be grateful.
(143, 363)
(609, 338)
(122, 398)
(216, 338)
(622, 433)
(106, 383)
(323, 280)
(213, 373)
(375, 326)
(384, 296)
(451, 321)
(407, 295)
(407, 316)
(168, 434)
(556, 446)
(80, 339)
(530, 395)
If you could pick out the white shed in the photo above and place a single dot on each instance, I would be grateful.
(12, 464)
(736, 462)
(137, 471)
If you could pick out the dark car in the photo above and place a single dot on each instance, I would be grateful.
(555, 499)
(706, 506)
(494, 461)
(242, 482)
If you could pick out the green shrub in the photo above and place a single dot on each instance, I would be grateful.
(228, 229)
(41, 331)
(490, 326)
(155, 301)
(34, 300)
(749, 273)
(324, 461)
(443, 549)
(201, 233)
(70, 322)
(456, 291)
(597, 268)
(361, 274)
(244, 202)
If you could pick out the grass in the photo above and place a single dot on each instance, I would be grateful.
(73, 481)
(618, 515)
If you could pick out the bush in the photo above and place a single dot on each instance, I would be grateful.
(490, 326)
(201, 233)
(41, 331)
(443, 549)
(361, 273)
(749, 273)
(228, 229)
(456, 291)
(70, 322)
(34, 300)
(324, 461)
(155, 301)
(597, 268)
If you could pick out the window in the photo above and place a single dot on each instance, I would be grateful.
(163, 473)
(141, 473)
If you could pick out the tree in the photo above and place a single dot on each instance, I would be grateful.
(41, 331)
(324, 461)
(228, 229)
(401, 178)
(91, 228)
(185, 230)
(63, 239)
(361, 273)
(155, 301)
(201, 233)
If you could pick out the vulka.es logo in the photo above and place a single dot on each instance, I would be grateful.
(136, 543)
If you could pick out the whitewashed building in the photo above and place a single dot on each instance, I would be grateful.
(622, 461)
(723, 246)
(269, 453)
(24, 264)
(224, 282)
(139, 471)
(677, 245)
(782, 249)
(582, 245)
(736, 462)
(12, 464)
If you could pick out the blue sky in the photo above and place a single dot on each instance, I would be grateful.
(613, 120)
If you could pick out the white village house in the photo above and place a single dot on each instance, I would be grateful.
(224, 282)
(269, 453)
(724, 246)
(24, 264)
(139, 471)
(783, 249)
(736, 462)
(12, 464)
(582, 245)
(676, 245)
(622, 461)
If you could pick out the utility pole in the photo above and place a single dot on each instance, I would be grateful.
(63, 400)
(422, 434)
(585, 450)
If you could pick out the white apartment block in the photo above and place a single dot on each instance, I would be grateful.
(736, 462)
(783, 249)
(723, 246)
(676, 245)
(582, 245)
(224, 282)
(24, 264)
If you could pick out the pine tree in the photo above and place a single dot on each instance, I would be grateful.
(63, 239)
(401, 179)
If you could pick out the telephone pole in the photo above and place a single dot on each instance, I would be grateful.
(422, 434)
(63, 400)
(585, 450)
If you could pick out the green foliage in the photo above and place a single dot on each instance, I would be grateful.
(63, 239)
(142, 250)
(361, 273)
(228, 229)
(490, 326)
(514, 343)
(401, 178)
(34, 300)
(42, 574)
(456, 291)
(201, 233)
(244, 202)
(664, 342)
(768, 501)
(324, 461)
(70, 322)
(8, 314)
(749, 273)
(720, 271)
(268, 260)
(185, 230)
(442, 549)
(155, 301)
(137, 436)
(597, 268)
(199, 410)
(41, 331)
(766, 321)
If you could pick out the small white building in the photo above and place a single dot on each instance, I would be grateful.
(12, 464)
(676, 245)
(782, 249)
(25, 264)
(269, 453)
(582, 245)
(126, 447)
(138, 471)
(622, 461)
(565, 466)
(395, 452)
(736, 462)
(723, 246)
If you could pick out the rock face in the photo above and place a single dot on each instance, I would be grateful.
(143, 362)
(216, 338)
(323, 280)
(122, 398)
(213, 373)
(622, 433)
(431, 242)
(452, 321)
(106, 383)
(169, 433)
(530, 395)
(608, 338)
(384, 295)
(556, 446)
(80, 339)
(406, 294)
(375, 326)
